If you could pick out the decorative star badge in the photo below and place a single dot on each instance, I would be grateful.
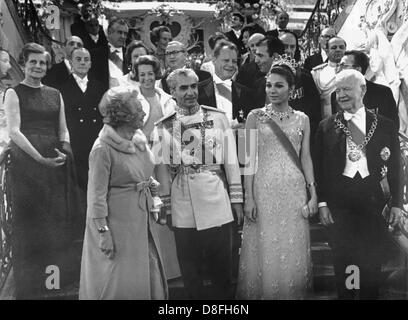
(385, 153)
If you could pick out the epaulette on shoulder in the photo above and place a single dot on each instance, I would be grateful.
(166, 117)
(212, 109)
(320, 66)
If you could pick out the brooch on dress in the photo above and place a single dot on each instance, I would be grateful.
(385, 153)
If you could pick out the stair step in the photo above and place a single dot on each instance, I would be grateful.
(318, 232)
(321, 253)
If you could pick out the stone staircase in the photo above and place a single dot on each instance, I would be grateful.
(395, 276)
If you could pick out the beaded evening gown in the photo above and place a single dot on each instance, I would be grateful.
(275, 258)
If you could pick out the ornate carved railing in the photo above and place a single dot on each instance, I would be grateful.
(324, 14)
(5, 219)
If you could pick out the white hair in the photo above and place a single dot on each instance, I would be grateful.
(351, 74)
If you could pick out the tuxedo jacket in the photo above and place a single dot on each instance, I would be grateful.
(379, 98)
(248, 73)
(83, 120)
(100, 65)
(201, 74)
(329, 158)
(237, 41)
(57, 75)
(78, 29)
(313, 61)
(242, 97)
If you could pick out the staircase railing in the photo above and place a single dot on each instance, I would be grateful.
(5, 219)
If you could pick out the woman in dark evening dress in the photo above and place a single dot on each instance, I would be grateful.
(43, 190)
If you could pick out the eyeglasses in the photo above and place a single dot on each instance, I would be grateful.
(327, 36)
(173, 52)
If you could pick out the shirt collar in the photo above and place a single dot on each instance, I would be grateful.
(358, 116)
(188, 111)
(79, 79)
(112, 48)
(217, 80)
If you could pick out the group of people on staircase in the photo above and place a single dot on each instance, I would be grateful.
(157, 166)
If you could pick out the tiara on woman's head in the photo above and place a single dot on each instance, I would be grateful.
(285, 60)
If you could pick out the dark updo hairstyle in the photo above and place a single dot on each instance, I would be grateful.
(132, 46)
(30, 48)
(147, 60)
(283, 71)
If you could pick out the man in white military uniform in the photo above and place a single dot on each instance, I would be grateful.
(198, 150)
(324, 74)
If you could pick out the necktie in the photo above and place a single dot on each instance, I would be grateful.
(116, 59)
(357, 135)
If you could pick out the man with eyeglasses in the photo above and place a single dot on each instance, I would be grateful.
(377, 97)
(321, 56)
(60, 72)
(176, 58)
(324, 74)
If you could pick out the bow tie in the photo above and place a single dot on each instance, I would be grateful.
(357, 116)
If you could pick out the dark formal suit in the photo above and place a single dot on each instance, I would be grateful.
(242, 98)
(78, 29)
(248, 73)
(57, 75)
(201, 74)
(379, 98)
(237, 41)
(305, 97)
(83, 121)
(359, 233)
(100, 65)
(313, 61)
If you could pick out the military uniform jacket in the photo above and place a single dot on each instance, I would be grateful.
(200, 194)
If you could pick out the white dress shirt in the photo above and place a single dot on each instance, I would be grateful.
(359, 119)
(222, 102)
(115, 73)
(324, 55)
(95, 38)
(82, 82)
(237, 33)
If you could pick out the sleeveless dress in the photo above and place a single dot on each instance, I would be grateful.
(44, 200)
(275, 260)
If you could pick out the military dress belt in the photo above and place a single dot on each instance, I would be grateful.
(199, 168)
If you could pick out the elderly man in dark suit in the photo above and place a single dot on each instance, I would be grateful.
(378, 97)
(108, 62)
(176, 58)
(320, 57)
(81, 97)
(60, 72)
(354, 150)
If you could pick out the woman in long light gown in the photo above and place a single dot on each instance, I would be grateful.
(121, 258)
(275, 261)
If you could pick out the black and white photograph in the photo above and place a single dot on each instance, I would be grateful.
(203, 154)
